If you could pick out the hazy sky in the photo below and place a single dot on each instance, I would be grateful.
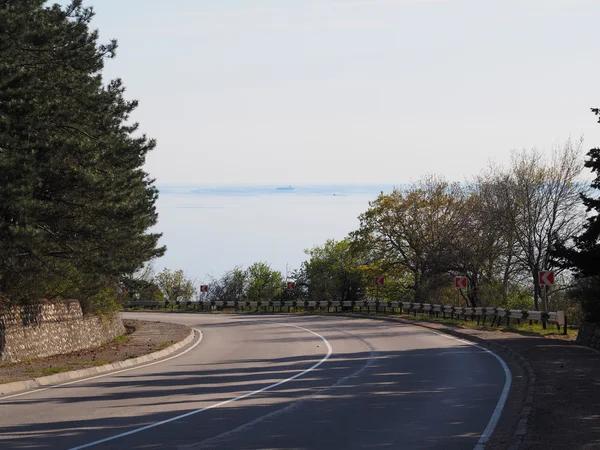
(306, 91)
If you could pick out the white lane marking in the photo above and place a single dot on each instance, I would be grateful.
(216, 405)
(491, 426)
(81, 380)
(249, 425)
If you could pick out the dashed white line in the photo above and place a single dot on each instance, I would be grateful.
(249, 425)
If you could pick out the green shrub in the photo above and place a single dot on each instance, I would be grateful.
(587, 292)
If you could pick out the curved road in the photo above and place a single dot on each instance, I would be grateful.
(276, 382)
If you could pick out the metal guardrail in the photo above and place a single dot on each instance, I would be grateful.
(148, 304)
(496, 315)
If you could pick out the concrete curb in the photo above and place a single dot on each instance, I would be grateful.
(63, 377)
(523, 422)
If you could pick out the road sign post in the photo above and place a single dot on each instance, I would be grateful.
(291, 286)
(379, 281)
(545, 278)
(203, 290)
(562, 321)
(460, 283)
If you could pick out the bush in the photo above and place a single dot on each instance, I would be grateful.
(106, 302)
(520, 298)
(587, 292)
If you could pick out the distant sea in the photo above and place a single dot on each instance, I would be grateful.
(211, 229)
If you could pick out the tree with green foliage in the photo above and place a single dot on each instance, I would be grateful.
(479, 243)
(141, 285)
(411, 230)
(332, 273)
(175, 286)
(75, 203)
(231, 287)
(263, 283)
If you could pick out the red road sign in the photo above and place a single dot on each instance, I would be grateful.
(546, 278)
(203, 288)
(291, 285)
(460, 282)
(379, 281)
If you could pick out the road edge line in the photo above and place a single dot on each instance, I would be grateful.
(522, 424)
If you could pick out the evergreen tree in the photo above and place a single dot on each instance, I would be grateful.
(584, 257)
(75, 203)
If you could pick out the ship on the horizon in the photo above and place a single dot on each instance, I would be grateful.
(285, 188)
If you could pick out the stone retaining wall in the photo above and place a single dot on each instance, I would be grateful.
(589, 334)
(46, 329)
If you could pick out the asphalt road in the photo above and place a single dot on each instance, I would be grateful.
(275, 382)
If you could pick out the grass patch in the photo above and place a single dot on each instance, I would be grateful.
(160, 347)
(122, 338)
(538, 329)
(47, 371)
(11, 380)
(53, 370)
(523, 328)
(98, 362)
(9, 364)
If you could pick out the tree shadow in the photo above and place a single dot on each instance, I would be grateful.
(430, 398)
(406, 399)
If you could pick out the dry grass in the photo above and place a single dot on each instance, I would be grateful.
(51, 370)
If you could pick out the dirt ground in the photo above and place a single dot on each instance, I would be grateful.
(142, 337)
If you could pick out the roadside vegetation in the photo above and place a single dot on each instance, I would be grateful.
(75, 203)
(498, 230)
(523, 327)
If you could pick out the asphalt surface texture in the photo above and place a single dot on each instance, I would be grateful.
(275, 382)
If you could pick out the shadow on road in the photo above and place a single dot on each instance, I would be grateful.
(408, 399)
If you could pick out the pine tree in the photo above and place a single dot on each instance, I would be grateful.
(75, 203)
(584, 257)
